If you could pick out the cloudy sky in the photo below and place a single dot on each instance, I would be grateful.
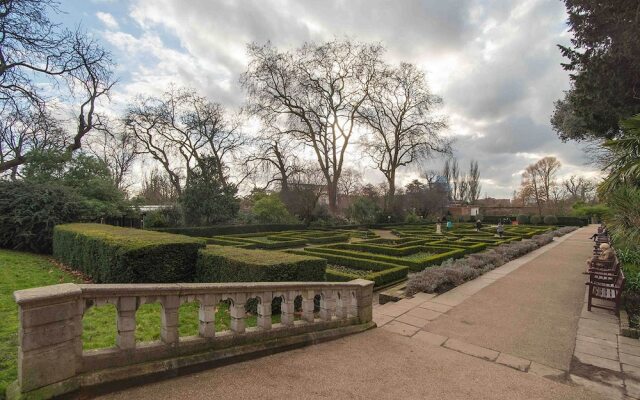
(494, 62)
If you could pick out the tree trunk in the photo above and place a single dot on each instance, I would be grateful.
(332, 192)
(390, 194)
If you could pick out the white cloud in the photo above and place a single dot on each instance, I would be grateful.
(108, 20)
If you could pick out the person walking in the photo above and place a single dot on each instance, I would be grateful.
(500, 229)
(449, 225)
(478, 225)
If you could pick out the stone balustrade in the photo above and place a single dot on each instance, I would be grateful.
(51, 360)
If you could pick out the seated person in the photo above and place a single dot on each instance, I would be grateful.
(606, 254)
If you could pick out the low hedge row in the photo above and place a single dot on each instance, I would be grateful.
(229, 229)
(368, 257)
(232, 264)
(110, 254)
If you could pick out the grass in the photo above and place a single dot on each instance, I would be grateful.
(420, 256)
(19, 270)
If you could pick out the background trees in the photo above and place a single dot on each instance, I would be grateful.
(539, 181)
(316, 91)
(403, 128)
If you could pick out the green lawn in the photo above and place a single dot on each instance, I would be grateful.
(20, 270)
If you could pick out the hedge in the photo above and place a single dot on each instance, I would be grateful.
(110, 254)
(208, 231)
(379, 278)
(368, 257)
(232, 264)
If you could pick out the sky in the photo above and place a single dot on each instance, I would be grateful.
(495, 63)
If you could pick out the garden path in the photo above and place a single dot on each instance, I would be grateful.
(434, 347)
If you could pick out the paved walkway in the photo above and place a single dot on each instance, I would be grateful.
(518, 332)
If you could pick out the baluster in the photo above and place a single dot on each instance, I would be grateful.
(126, 323)
(342, 306)
(264, 311)
(308, 305)
(238, 313)
(169, 332)
(327, 305)
(287, 309)
(207, 315)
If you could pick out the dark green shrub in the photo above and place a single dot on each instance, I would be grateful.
(550, 220)
(111, 254)
(163, 218)
(208, 231)
(364, 211)
(29, 211)
(535, 220)
(271, 210)
(232, 264)
(522, 219)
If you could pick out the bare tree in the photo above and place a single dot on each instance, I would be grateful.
(118, 149)
(455, 179)
(26, 132)
(399, 114)
(275, 161)
(316, 90)
(538, 180)
(181, 129)
(474, 182)
(306, 187)
(34, 53)
(579, 188)
(463, 188)
(157, 188)
(350, 182)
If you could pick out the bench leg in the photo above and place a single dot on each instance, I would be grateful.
(589, 300)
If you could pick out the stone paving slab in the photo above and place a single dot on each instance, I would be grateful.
(514, 362)
(412, 320)
(441, 308)
(401, 328)
(471, 349)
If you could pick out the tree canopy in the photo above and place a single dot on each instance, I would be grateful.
(604, 62)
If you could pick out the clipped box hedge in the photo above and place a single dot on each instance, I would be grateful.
(208, 231)
(110, 254)
(232, 264)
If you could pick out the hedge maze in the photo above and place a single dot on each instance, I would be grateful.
(116, 255)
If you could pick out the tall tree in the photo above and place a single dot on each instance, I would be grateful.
(604, 62)
(36, 53)
(403, 128)
(455, 179)
(317, 91)
(181, 130)
(579, 188)
(474, 182)
(538, 181)
(118, 149)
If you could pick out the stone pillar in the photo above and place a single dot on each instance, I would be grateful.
(126, 323)
(342, 304)
(308, 305)
(264, 311)
(169, 331)
(287, 310)
(327, 305)
(363, 300)
(238, 314)
(207, 316)
(50, 343)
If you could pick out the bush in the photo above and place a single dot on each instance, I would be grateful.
(411, 218)
(111, 254)
(522, 219)
(271, 210)
(29, 211)
(536, 220)
(550, 220)
(232, 264)
(364, 211)
(163, 218)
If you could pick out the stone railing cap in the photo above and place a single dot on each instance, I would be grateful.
(49, 294)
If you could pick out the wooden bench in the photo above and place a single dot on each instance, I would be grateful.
(605, 286)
